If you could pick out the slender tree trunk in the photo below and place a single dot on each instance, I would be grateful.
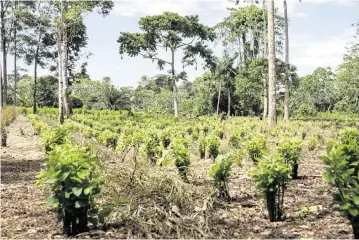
(1, 54)
(265, 55)
(265, 98)
(35, 72)
(4, 55)
(286, 80)
(174, 87)
(64, 58)
(60, 74)
(244, 40)
(272, 115)
(229, 101)
(15, 54)
(240, 51)
(219, 95)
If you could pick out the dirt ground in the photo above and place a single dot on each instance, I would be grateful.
(308, 209)
(23, 211)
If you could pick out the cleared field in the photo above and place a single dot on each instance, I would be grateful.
(150, 189)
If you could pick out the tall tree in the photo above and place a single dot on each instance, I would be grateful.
(272, 114)
(4, 18)
(68, 21)
(347, 79)
(265, 55)
(174, 32)
(225, 72)
(286, 81)
(15, 49)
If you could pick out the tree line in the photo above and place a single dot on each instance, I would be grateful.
(249, 78)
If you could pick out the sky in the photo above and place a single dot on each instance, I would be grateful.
(319, 31)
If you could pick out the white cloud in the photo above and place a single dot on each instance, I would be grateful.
(149, 7)
(308, 53)
(301, 15)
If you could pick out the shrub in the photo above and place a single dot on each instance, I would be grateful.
(270, 176)
(234, 140)
(109, 138)
(219, 131)
(220, 173)
(165, 138)
(312, 143)
(348, 134)
(213, 146)
(151, 147)
(8, 115)
(342, 159)
(290, 150)
(180, 154)
(306, 110)
(255, 147)
(202, 146)
(55, 136)
(205, 129)
(320, 137)
(73, 175)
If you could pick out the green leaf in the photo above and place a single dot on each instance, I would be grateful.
(77, 191)
(67, 194)
(354, 212)
(328, 177)
(83, 174)
(77, 204)
(64, 176)
(52, 201)
(88, 190)
(104, 213)
(76, 179)
(356, 200)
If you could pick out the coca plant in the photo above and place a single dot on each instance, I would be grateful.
(289, 150)
(178, 155)
(271, 175)
(202, 145)
(342, 160)
(213, 146)
(54, 136)
(220, 173)
(109, 138)
(256, 147)
(73, 174)
(151, 146)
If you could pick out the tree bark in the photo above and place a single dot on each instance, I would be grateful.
(64, 58)
(219, 95)
(3, 55)
(174, 87)
(35, 72)
(272, 115)
(265, 55)
(244, 40)
(265, 98)
(229, 101)
(286, 80)
(15, 54)
(59, 68)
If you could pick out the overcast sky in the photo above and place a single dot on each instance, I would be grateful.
(319, 32)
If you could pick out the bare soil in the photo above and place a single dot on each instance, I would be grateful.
(23, 210)
(308, 209)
